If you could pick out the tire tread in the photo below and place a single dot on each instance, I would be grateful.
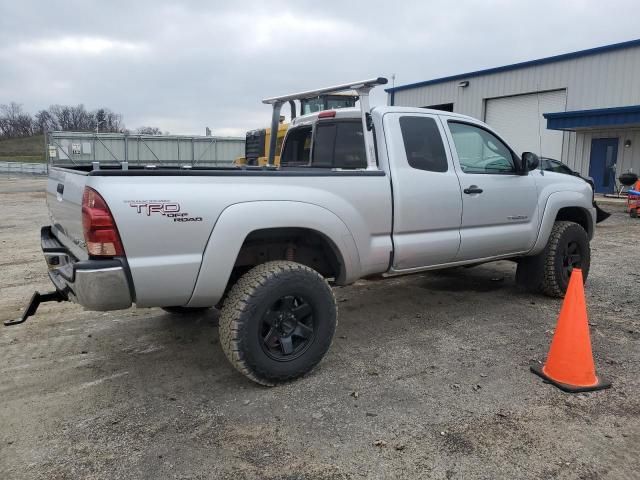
(550, 285)
(237, 307)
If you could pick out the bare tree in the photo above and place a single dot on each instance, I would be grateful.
(148, 131)
(81, 120)
(14, 122)
(44, 121)
(99, 119)
(62, 116)
(113, 121)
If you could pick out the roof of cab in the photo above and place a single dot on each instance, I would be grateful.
(309, 118)
(393, 109)
(354, 112)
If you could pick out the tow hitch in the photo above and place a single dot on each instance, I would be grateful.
(35, 302)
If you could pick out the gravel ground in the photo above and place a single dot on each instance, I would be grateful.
(427, 378)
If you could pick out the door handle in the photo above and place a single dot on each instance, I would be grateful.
(472, 189)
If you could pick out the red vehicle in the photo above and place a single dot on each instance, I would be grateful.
(633, 200)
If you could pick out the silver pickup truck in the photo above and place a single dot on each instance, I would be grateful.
(359, 193)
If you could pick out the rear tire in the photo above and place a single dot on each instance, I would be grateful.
(549, 272)
(278, 322)
(633, 213)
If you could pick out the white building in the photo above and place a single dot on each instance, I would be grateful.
(582, 108)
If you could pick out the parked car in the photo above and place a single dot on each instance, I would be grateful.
(553, 165)
(374, 192)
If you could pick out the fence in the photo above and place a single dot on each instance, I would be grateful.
(167, 150)
(23, 168)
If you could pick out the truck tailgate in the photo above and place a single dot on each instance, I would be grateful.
(64, 198)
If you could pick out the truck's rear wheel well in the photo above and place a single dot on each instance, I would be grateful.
(577, 215)
(302, 245)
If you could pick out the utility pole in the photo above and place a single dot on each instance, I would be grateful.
(393, 84)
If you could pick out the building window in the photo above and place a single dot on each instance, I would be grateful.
(445, 107)
(423, 144)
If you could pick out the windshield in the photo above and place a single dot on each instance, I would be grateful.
(552, 165)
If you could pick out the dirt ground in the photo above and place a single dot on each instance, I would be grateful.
(427, 378)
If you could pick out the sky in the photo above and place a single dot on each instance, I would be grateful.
(183, 66)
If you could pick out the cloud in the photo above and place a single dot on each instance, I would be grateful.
(184, 65)
(85, 46)
(288, 30)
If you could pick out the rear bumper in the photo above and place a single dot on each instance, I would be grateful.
(94, 284)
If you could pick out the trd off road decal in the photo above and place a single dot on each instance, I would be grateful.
(166, 208)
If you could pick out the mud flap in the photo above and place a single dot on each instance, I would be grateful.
(530, 272)
(601, 215)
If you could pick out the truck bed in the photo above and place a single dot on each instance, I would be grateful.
(166, 216)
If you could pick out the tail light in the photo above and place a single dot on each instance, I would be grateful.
(100, 231)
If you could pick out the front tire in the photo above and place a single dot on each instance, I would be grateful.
(278, 322)
(549, 272)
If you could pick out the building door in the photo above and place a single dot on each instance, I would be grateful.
(518, 119)
(602, 165)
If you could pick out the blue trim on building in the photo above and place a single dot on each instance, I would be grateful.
(515, 66)
(600, 117)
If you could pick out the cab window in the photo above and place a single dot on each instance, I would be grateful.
(423, 144)
(339, 144)
(297, 148)
(479, 151)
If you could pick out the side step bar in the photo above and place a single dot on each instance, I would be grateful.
(35, 302)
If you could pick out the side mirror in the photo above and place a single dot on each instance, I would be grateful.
(530, 161)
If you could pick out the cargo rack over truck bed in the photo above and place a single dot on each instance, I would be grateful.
(362, 88)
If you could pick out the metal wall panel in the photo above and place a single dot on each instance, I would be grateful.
(600, 80)
(595, 81)
(577, 149)
(114, 148)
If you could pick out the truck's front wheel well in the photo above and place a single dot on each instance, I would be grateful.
(301, 245)
(577, 215)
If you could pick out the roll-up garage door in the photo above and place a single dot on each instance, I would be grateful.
(518, 119)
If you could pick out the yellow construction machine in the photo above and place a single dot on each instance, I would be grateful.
(257, 141)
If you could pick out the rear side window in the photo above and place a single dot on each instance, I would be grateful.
(339, 145)
(423, 144)
(296, 148)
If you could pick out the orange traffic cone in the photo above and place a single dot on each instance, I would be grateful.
(570, 361)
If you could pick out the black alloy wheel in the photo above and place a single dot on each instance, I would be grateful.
(278, 321)
(287, 328)
(571, 258)
(567, 248)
